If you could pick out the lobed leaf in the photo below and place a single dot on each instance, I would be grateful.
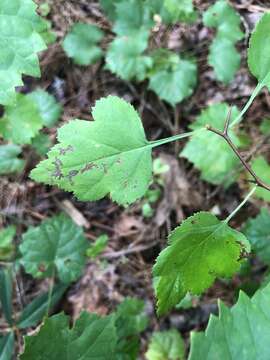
(166, 345)
(258, 233)
(130, 321)
(223, 55)
(80, 43)
(49, 109)
(132, 15)
(56, 245)
(91, 337)
(20, 43)
(108, 155)
(22, 121)
(172, 78)
(224, 58)
(9, 162)
(125, 56)
(241, 332)
(179, 11)
(199, 250)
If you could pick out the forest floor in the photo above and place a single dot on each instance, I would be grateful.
(135, 241)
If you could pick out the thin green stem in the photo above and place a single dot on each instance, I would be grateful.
(241, 204)
(255, 92)
(174, 138)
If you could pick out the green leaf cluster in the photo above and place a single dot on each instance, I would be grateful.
(223, 55)
(114, 336)
(170, 77)
(20, 43)
(30, 316)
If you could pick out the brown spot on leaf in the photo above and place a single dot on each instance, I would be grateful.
(88, 167)
(71, 174)
(57, 171)
(63, 151)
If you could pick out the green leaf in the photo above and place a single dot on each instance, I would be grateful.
(225, 19)
(108, 155)
(147, 210)
(47, 34)
(265, 127)
(224, 58)
(80, 44)
(130, 321)
(57, 244)
(210, 153)
(199, 250)
(6, 286)
(49, 109)
(259, 51)
(34, 312)
(97, 248)
(6, 240)
(41, 143)
(262, 169)
(9, 163)
(179, 11)
(91, 337)
(223, 55)
(22, 121)
(166, 345)
(7, 346)
(125, 56)
(175, 82)
(241, 332)
(109, 7)
(258, 233)
(132, 15)
(44, 9)
(20, 43)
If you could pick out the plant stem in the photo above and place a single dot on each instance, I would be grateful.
(224, 134)
(241, 204)
(174, 138)
(255, 92)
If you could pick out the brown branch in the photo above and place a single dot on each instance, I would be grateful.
(224, 134)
